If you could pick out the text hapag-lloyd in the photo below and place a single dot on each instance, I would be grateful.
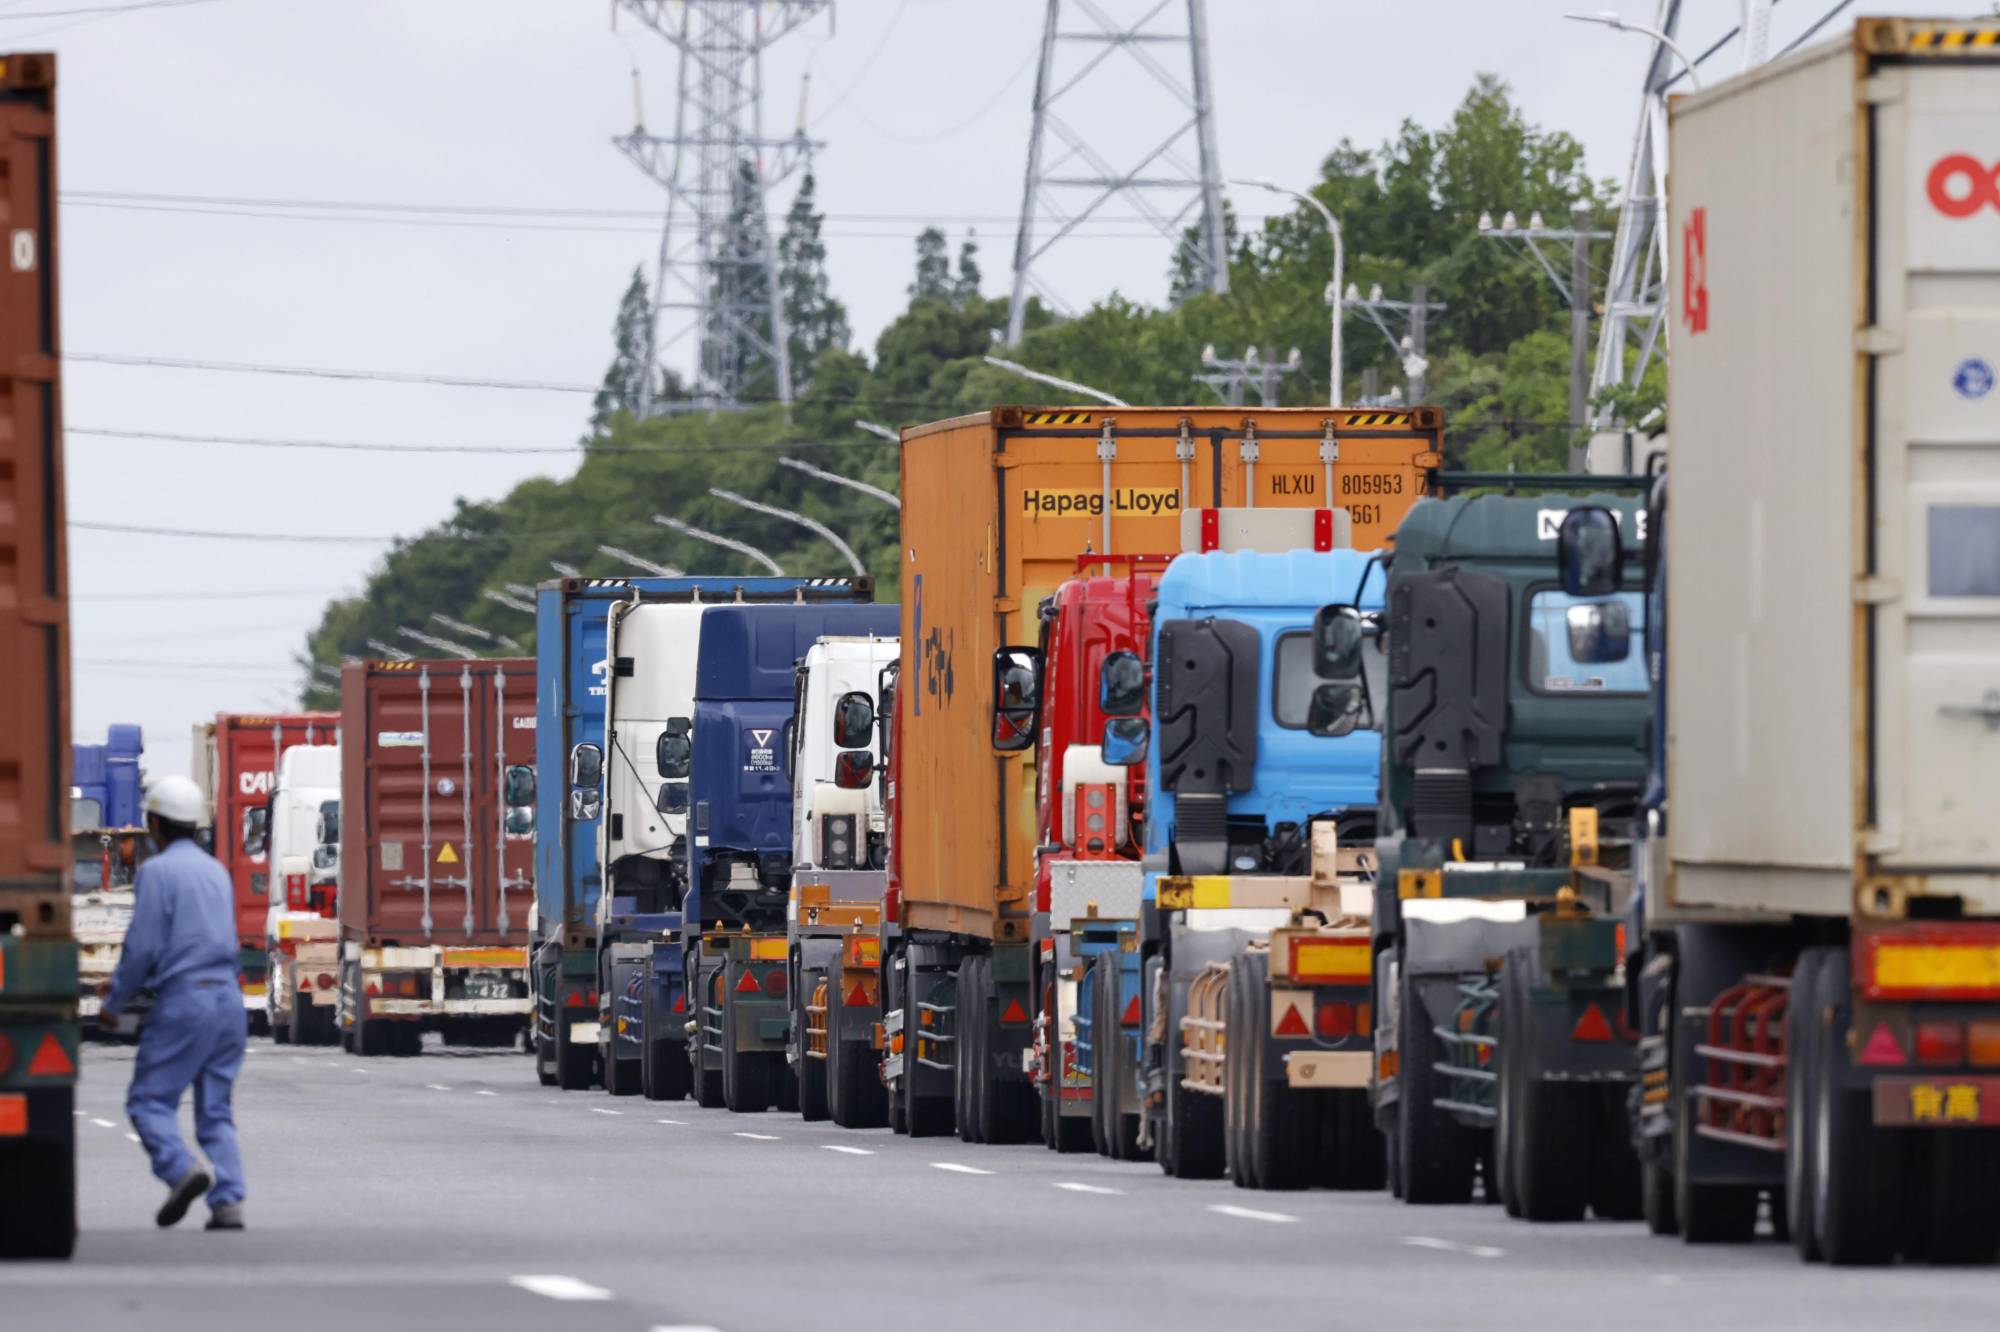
(1042, 502)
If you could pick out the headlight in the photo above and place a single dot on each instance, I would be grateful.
(836, 841)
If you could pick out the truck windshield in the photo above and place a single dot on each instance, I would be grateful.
(1552, 666)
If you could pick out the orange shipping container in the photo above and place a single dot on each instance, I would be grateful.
(996, 508)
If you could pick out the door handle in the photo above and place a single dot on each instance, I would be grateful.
(1987, 709)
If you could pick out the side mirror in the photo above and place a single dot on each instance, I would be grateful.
(520, 786)
(673, 754)
(854, 721)
(519, 820)
(1017, 687)
(1337, 709)
(1121, 684)
(1337, 637)
(325, 857)
(1125, 741)
(853, 769)
(673, 798)
(586, 767)
(584, 805)
(1590, 553)
(256, 830)
(1600, 632)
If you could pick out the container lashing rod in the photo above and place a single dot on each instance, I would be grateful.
(424, 721)
(1107, 450)
(465, 792)
(1184, 451)
(1329, 454)
(1246, 449)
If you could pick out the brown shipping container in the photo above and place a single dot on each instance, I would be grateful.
(425, 751)
(34, 590)
(996, 508)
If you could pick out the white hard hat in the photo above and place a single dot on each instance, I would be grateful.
(177, 800)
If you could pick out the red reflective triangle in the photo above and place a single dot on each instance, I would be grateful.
(1293, 1023)
(858, 996)
(51, 1060)
(373, 987)
(1014, 1012)
(680, 1003)
(1591, 1026)
(1883, 1048)
(748, 985)
(1131, 1017)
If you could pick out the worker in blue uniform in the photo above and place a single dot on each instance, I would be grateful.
(182, 946)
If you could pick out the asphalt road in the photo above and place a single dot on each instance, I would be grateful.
(451, 1191)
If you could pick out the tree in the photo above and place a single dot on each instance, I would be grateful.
(814, 320)
(966, 288)
(625, 380)
(933, 268)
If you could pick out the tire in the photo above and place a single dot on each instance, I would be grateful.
(621, 1076)
(576, 1065)
(1857, 1213)
(1656, 1199)
(1437, 1151)
(707, 1081)
(1708, 1213)
(1505, 1157)
(281, 1032)
(664, 1071)
(374, 1038)
(545, 1061)
(1800, 1176)
(1392, 1152)
(812, 1073)
(38, 1179)
(1554, 1180)
(749, 1078)
(1964, 1216)
(1121, 1130)
(1192, 1140)
(968, 1024)
(1616, 1193)
(1352, 1155)
(856, 1097)
(1277, 1126)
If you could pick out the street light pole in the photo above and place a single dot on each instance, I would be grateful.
(1053, 381)
(1616, 24)
(812, 525)
(1339, 273)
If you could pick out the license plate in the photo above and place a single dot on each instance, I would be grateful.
(1967, 1102)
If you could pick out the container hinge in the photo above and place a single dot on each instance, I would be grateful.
(1877, 591)
(1878, 341)
(1884, 87)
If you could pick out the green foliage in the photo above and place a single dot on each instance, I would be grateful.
(1499, 362)
(625, 379)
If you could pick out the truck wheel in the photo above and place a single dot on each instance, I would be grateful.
(1614, 1163)
(748, 1084)
(1551, 1139)
(1191, 1139)
(545, 1060)
(664, 1072)
(1392, 1152)
(1800, 1173)
(1437, 1151)
(707, 1081)
(1120, 1131)
(575, 1064)
(1352, 1155)
(1504, 1160)
(38, 1179)
(1964, 1222)
(856, 1098)
(1278, 1128)
(621, 1076)
(1857, 1213)
(812, 1073)
(968, 1023)
(1708, 1213)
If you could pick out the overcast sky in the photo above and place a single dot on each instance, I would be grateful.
(924, 109)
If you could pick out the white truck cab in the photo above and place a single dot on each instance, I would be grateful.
(837, 821)
(300, 930)
(648, 732)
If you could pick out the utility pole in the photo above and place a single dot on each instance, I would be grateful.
(1228, 377)
(1575, 291)
(1415, 366)
(1069, 179)
(1408, 346)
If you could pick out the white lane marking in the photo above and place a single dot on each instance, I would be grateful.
(600, 1110)
(1453, 1246)
(958, 1169)
(485, 1091)
(357, 1070)
(131, 1137)
(1075, 1187)
(685, 1327)
(77, 1113)
(103, 1123)
(842, 1147)
(438, 1086)
(557, 1287)
(1249, 1213)
(300, 1059)
(681, 1122)
(1666, 1279)
(759, 1137)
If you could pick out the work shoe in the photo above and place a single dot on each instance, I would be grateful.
(181, 1197)
(225, 1216)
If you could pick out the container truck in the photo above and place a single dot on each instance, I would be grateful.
(235, 764)
(998, 508)
(38, 965)
(437, 825)
(301, 931)
(1822, 936)
(1243, 1015)
(840, 861)
(739, 859)
(580, 675)
(108, 843)
(105, 783)
(1514, 719)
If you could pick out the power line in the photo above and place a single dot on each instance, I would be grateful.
(322, 372)
(103, 9)
(245, 595)
(255, 441)
(346, 539)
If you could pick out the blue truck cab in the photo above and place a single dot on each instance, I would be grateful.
(740, 854)
(572, 675)
(1239, 772)
(106, 781)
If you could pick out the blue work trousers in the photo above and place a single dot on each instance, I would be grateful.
(195, 1036)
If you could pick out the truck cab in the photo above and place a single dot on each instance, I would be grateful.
(301, 931)
(839, 873)
(1514, 763)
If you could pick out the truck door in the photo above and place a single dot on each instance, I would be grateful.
(1936, 427)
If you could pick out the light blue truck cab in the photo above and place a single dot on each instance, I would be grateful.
(572, 686)
(1247, 758)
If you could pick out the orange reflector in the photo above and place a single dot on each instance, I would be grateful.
(1591, 1026)
(51, 1060)
(1330, 962)
(1882, 1048)
(13, 1115)
(1130, 1017)
(1293, 1023)
(864, 952)
(1013, 1014)
(1984, 1042)
(748, 983)
(767, 950)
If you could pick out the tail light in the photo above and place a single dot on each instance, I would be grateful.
(1940, 1042)
(6, 1054)
(775, 983)
(325, 981)
(837, 841)
(1335, 1021)
(1984, 1041)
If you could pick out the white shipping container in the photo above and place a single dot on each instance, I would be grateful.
(1833, 539)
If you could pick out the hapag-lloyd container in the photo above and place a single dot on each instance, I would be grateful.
(437, 811)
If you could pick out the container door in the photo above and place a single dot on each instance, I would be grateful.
(1937, 471)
